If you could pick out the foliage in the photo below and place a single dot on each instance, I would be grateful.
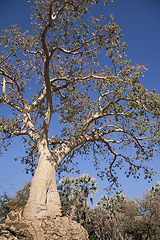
(113, 214)
(118, 217)
(74, 193)
(155, 190)
(73, 67)
(113, 218)
(5, 206)
(146, 224)
(150, 212)
(8, 204)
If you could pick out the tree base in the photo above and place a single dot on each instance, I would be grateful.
(60, 228)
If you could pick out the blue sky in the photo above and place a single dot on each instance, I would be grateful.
(140, 23)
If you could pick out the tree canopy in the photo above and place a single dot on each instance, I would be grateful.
(72, 70)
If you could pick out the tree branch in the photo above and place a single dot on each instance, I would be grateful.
(3, 73)
(3, 60)
(37, 101)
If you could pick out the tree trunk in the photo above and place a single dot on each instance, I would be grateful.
(44, 200)
(42, 214)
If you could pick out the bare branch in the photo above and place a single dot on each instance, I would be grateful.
(76, 51)
(4, 88)
(35, 53)
(31, 131)
(12, 104)
(3, 60)
(38, 100)
(101, 114)
(14, 81)
(69, 146)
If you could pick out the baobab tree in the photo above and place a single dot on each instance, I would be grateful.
(73, 68)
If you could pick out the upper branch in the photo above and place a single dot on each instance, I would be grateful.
(11, 82)
(38, 100)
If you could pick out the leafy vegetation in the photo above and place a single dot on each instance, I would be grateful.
(8, 204)
(74, 194)
(72, 69)
(113, 218)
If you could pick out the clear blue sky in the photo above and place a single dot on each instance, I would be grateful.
(140, 22)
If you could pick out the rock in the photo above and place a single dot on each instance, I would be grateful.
(63, 228)
(16, 227)
(60, 228)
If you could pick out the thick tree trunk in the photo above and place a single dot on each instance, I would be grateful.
(44, 200)
(42, 215)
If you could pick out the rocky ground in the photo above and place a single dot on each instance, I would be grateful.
(61, 228)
